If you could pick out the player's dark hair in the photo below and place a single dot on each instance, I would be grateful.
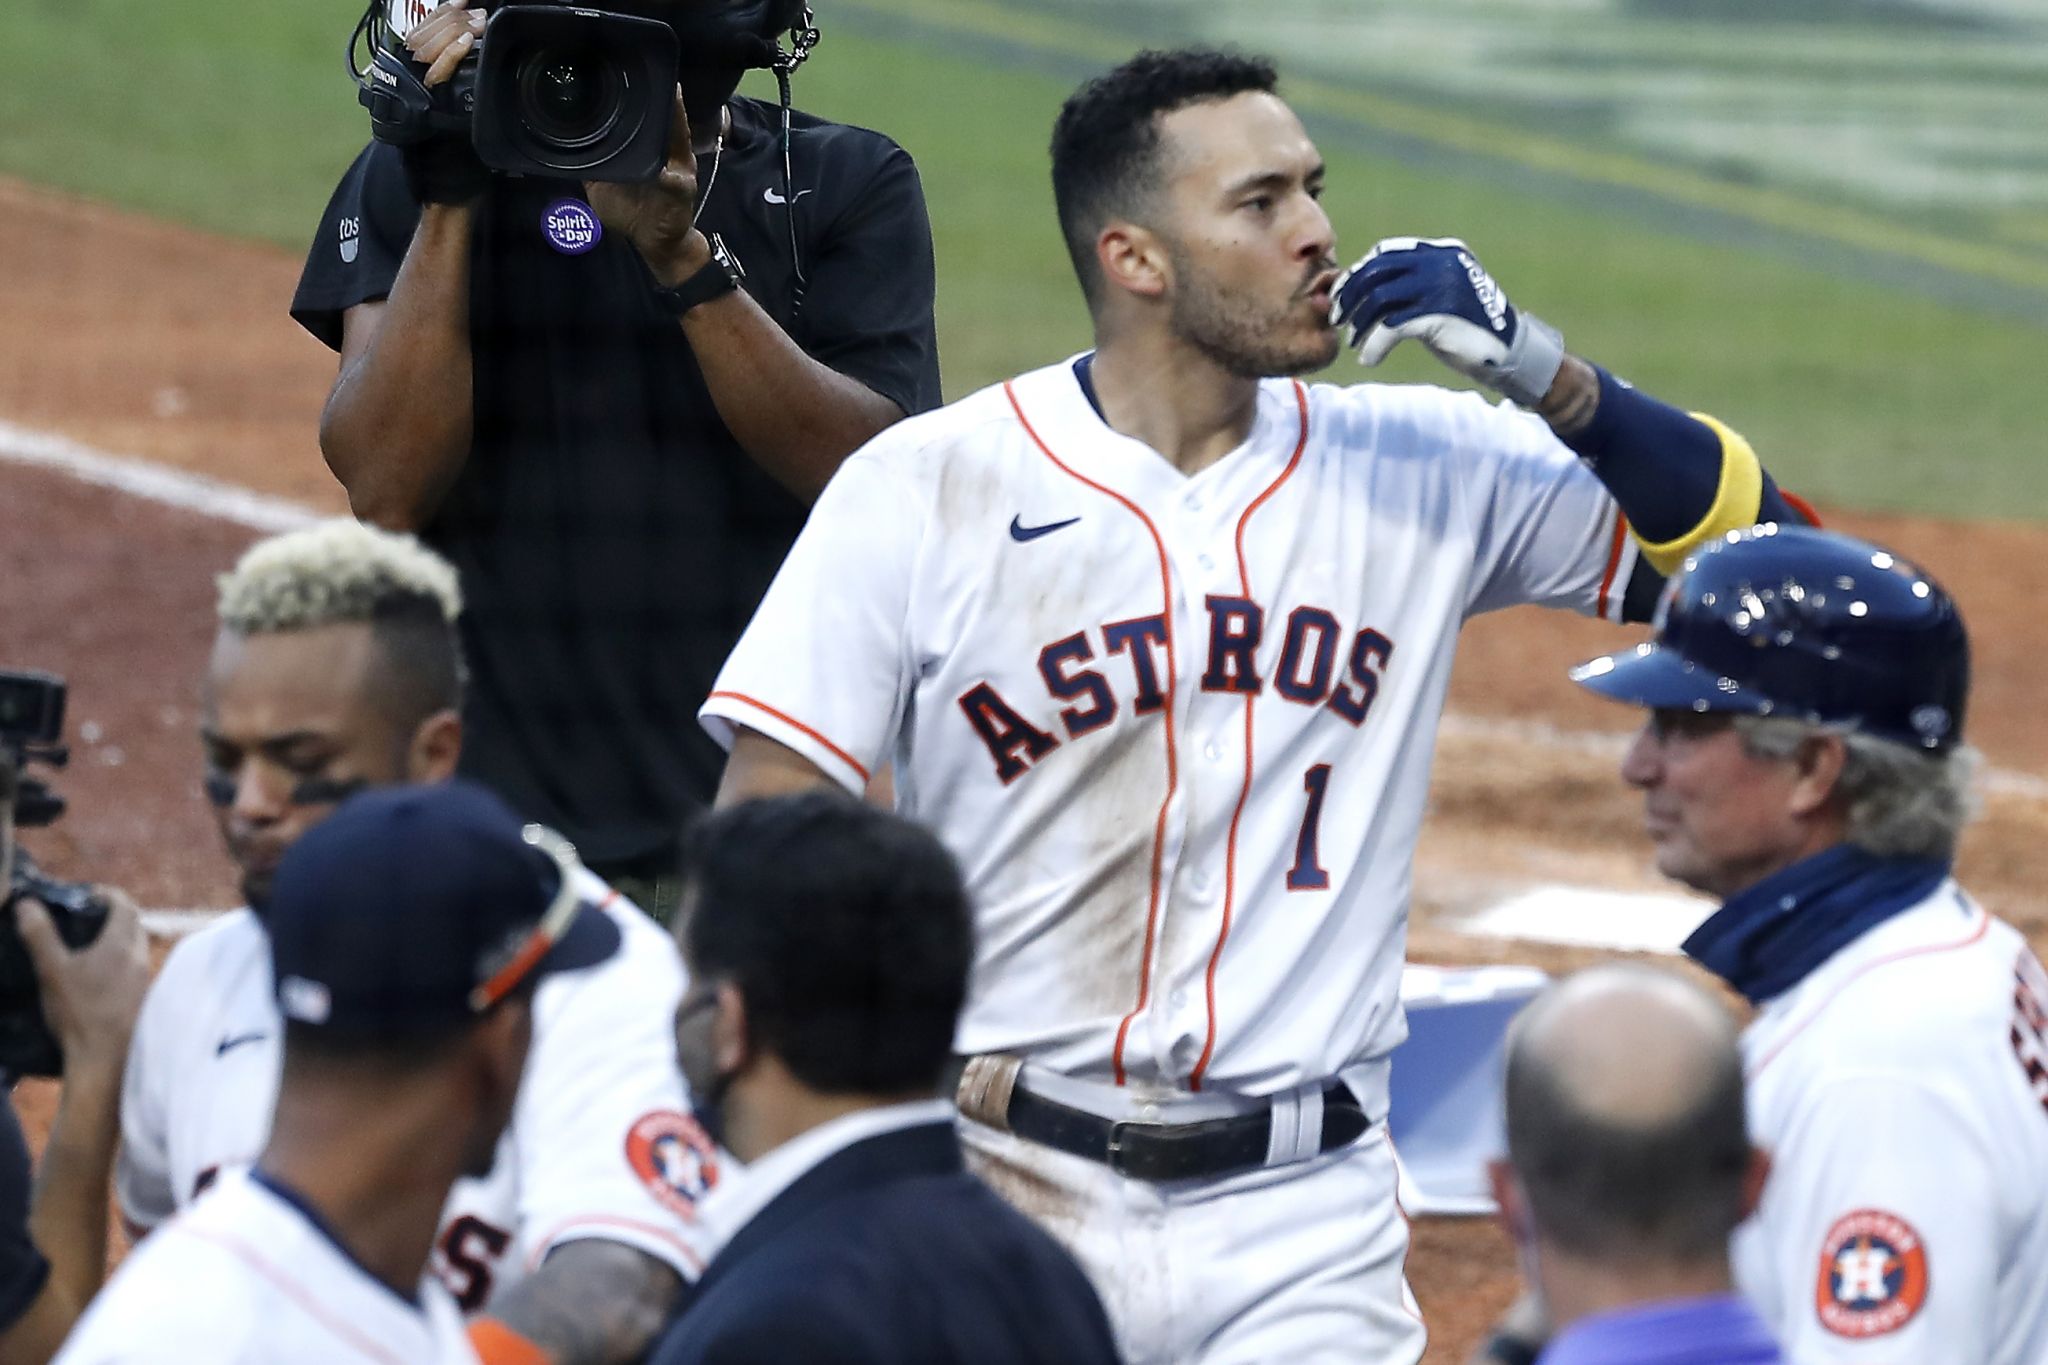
(1670, 1190)
(421, 669)
(847, 931)
(1105, 143)
(309, 1049)
(400, 1049)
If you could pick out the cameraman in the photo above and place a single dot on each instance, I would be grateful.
(53, 1243)
(616, 441)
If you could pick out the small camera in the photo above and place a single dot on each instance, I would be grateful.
(31, 731)
(31, 708)
(569, 93)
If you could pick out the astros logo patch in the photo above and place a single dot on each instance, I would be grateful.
(674, 1156)
(1873, 1274)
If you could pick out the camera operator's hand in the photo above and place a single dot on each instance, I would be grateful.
(445, 169)
(659, 216)
(91, 996)
(440, 41)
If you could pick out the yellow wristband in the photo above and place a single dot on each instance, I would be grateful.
(1737, 501)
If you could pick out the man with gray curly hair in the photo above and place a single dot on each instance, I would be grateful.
(1803, 764)
(338, 667)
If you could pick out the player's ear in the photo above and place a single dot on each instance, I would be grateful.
(435, 749)
(1820, 760)
(1754, 1177)
(732, 1040)
(1133, 260)
(1507, 1197)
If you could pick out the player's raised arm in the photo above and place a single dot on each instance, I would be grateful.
(1680, 479)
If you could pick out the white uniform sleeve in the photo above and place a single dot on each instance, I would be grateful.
(142, 1172)
(824, 667)
(603, 1076)
(1546, 531)
(1880, 1223)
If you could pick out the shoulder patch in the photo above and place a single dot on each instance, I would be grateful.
(675, 1158)
(1873, 1275)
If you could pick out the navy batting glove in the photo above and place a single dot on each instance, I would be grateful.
(1434, 290)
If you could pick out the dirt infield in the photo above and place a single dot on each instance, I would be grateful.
(171, 345)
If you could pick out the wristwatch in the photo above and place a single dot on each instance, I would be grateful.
(716, 278)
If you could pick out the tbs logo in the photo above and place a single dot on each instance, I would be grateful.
(571, 227)
(351, 239)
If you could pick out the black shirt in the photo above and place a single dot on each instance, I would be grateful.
(22, 1268)
(612, 537)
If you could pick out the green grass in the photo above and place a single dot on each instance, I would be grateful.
(1855, 394)
(236, 118)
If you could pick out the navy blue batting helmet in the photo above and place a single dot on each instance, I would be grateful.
(1800, 622)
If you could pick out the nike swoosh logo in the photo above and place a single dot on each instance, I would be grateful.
(236, 1040)
(772, 197)
(1020, 533)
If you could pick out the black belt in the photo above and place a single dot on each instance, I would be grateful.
(1174, 1151)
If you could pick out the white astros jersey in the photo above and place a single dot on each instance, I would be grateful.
(1177, 730)
(1902, 1092)
(247, 1278)
(600, 1144)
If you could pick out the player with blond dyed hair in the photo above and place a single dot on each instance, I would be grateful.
(338, 667)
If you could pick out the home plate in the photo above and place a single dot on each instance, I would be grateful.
(1584, 917)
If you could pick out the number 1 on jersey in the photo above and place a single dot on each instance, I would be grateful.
(1307, 874)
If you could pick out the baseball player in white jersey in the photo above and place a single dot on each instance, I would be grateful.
(406, 935)
(336, 668)
(1804, 764)
(1159, 647)
(246, 1278)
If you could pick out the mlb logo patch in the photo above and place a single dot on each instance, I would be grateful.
(1873, 1274)
(675, 1158)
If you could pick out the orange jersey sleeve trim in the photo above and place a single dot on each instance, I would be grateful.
(765, 709)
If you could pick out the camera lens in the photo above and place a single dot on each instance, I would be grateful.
(569, 98)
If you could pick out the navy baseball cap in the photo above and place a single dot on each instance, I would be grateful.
(1806, 623)
(419, 908)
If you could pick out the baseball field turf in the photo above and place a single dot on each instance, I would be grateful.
(1884, 357)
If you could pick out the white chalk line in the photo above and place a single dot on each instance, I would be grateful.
(142, 478)
(1542, 913)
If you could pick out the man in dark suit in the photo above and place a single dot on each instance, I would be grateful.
(828, 945)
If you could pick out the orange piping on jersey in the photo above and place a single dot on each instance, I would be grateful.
(294, 1291)
(1801, 505)
(1613, 563)
(1172, 764)
(601, 1220)
(1244, 579)
(837, 752)
(1983, 925)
